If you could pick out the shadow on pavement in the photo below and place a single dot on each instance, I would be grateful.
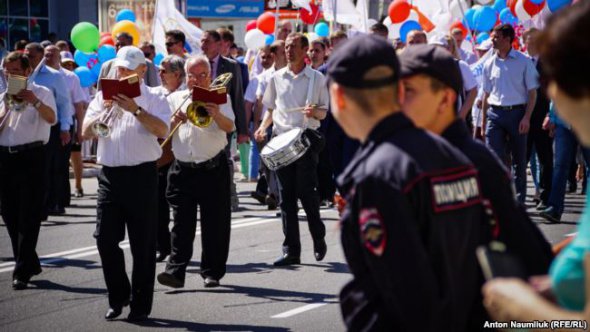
(194, 326)
(50, 285)
(85, 264)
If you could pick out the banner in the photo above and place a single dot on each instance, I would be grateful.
(144, 13)
(224, 8)
(166, 18)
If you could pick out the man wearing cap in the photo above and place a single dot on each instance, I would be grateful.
(413, 218)
(127, 186)
(510, 83)
(296, 97)
(432, 83)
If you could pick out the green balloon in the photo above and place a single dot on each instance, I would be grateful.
(85, 37)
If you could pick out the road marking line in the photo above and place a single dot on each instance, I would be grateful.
(299, 310)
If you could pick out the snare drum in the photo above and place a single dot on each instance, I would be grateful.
(284, 149)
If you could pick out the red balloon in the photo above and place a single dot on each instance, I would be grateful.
(512, 4)
(310, 18)
(102, 34)
(106, 40)
(251, 25)
(266, 23)
(460, 26)
(399, 11)
(533, 9)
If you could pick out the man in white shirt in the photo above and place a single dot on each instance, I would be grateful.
(466, 56)
(25, 122)
(127, 186)
(297, 86)
(199, 178)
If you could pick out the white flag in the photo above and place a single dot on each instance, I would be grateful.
(363, 10)
(344, 11)
(302, 4)
(167, 18)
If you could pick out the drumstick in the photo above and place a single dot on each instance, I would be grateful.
(295, 109)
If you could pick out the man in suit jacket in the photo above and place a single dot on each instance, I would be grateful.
(211, 46)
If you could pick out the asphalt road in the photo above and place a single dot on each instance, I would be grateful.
(70, 294)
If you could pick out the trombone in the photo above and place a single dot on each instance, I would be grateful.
(196, 112)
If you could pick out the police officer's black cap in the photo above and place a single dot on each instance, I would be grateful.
(433, 61)
(348, 64)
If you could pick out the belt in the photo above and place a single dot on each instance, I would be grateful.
(206, 165)
(509, 108)
(20, 148)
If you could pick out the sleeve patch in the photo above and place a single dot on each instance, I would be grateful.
(373, 232)
(455, 191)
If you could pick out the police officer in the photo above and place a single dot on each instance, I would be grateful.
(128, 186)
(414, 215)
(25, 122)
(432, 82)
(199, 178)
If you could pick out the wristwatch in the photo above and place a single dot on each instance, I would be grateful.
(37, 104)
(138, 111)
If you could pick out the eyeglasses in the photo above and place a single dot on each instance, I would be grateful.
(201, 76)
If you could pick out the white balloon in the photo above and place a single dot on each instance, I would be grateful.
(255, 39)
(483, 2)
(456, 11)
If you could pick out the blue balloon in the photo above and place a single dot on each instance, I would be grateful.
(85, 59)
(269, 39)
(106, 53)
(484, 18)
(95, 70)
(555, 5)
(125, 14)
(407, 27)
(468, 21)
(506, 17)
(322, 29)
(85, 75)
(188, 47)
(499, 5)
(536, 2)
(158, 58)
(481, 37)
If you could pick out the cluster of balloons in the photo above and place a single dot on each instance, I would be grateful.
(259, 32)
(403, 18)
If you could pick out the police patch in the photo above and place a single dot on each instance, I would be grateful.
(455, 191)
(373, 231)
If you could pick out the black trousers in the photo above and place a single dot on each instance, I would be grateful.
(128, 196)
(543, 144)
(57, 170)
(326, 182)
(163, 243)
(22, 190)
(299, 181)
(208, 189)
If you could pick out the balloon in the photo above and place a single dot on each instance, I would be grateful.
(106, 52)
(555, 5)
(125, 14)
(85, 59)
(393, 28)
(484, 18)
(158, 59)
(399, 10)
(310, 18)
(269, 39)
(311, 36)
(460, 26)
(407, 27)
(266, 23)
(254, 39)
(126, 26)
(469, 21)
(107, 40)
(499, 5)
(102, 34)
(536, 2)
(188, 47)
(483, 2)
(95, 70)
(322, 29)
(506, 17)
(85, 37)
(481, 37)
(85, 75)
(251, 25)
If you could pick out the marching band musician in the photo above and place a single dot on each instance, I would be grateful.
(199, 177)
(127, 187)
(23, 134)
(172, 75)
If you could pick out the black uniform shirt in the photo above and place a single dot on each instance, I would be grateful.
(409, 232)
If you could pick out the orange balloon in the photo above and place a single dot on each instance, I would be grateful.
(126, 26)
(399, 11)
(266, 23)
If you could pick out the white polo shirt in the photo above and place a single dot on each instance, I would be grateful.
(287, 91)
(73, 82)
(27, 126)
(130, 143)
(193, 144)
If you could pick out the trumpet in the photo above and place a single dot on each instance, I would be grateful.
(196, 112)
(102, 126)
(13, 103)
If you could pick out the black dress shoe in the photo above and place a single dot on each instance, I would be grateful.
(19, 284)
(287, 260)
(211, 282)
(169, 280)
(319, 249)
(136, 316)
(551, 215)
(115, 311)
(258, 196)
(161, 256)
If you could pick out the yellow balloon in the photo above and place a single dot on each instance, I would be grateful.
(126, 26)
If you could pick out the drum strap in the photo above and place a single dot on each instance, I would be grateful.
(308, 98)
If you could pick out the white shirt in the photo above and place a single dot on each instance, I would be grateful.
(287, 91)
(165, 92)
(469, 81)
(467, 56)
(73, 83)
(263, 80)
(194, 144)
(250, 94)
(129, 142)
(27, 126)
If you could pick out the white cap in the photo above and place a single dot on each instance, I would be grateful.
(485, 45)
(66, 56)
(129, 57)
(440, 40)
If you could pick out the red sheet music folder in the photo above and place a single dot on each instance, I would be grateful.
(128, 86)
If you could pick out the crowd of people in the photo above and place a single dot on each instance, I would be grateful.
(426, 143)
